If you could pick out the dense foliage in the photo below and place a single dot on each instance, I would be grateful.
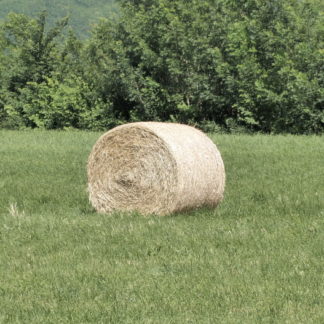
(232, 65)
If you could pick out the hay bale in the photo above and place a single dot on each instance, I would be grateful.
(154, 168)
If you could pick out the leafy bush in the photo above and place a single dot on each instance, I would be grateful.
(238, 66)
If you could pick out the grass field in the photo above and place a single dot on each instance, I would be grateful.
(258, 258)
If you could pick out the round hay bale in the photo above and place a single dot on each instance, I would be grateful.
(154, 168)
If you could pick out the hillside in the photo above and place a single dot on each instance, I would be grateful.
(83, 13)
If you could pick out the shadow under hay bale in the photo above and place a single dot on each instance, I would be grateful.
(154, 168)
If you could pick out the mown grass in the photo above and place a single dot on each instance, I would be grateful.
(258, 258)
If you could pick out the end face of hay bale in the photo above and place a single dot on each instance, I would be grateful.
(154, 168)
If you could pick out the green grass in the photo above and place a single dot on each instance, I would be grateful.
(257, 258)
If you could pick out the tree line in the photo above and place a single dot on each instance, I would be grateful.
(222, 65)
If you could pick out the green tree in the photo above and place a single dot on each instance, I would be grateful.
(252, 63)
(30, 54)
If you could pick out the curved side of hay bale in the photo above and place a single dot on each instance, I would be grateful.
(156, 168)
(200, 168)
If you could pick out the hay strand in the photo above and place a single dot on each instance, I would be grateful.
(154, 168)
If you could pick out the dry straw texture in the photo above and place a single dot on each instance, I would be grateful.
(154, 168)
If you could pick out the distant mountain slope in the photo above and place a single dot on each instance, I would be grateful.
(83, 13)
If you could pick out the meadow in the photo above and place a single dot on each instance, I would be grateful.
(257, 258)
